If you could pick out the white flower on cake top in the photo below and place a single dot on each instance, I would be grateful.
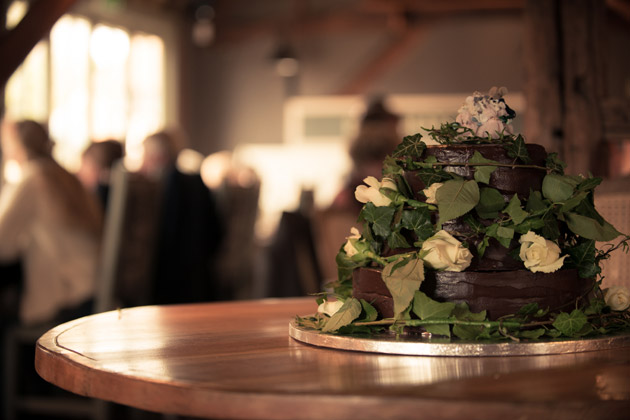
(486, 115)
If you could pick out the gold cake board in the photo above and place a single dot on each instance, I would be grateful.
(418, 345)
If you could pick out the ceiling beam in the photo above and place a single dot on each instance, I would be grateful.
(16, 43)
(384, 60)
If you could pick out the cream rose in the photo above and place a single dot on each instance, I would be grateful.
(349, 247)
(431, 191)
(372, 192)
(446, 253)
(540, 254)
(330, 307)
(617, 297)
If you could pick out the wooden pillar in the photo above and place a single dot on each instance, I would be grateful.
(582, 83)
(542, 65)
(563, 79)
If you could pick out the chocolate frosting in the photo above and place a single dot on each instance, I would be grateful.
(499, 293)
(507, 180)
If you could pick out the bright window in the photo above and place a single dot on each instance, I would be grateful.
(91, 82)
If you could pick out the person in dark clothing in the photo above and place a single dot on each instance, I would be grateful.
(97, 162)
(189, 229)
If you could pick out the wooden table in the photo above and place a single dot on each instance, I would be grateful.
(236, 360)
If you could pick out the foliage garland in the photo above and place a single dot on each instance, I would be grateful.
(563, 212)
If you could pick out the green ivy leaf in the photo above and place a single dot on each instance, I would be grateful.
(532, 334)
(582, 257)
(431, 175)
(396, 240)
(502, 234)
(573, 202)
(475, 225)
(391, 168)
(530, 224)
(553, 163)
(535, 202)
(570, 324)
(515, 211)
(369, 312)
(427, 308)
(345, 267)
(380, 218)
(528, 309)
(418, 221)
(491, 202)
(411, 146)
(591, 228)
(589, 184)
(350, 311)
(550, 229)
(482, 245)
(517, 149)
(558, 188)
(595, 307)
(456, 198)
(482, 173)
(402, 278)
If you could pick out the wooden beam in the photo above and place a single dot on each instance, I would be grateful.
(542, 64)
(384, 60)
(621, 7)
(18, 42)
(583, 85)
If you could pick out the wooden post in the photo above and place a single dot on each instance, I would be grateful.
(563, 86)
(542, 89)
(582, 74)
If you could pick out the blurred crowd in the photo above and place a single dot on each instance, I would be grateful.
(103, 237)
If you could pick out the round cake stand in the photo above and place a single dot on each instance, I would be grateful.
(418, 345)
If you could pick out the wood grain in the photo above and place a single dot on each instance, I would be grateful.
(236, 360)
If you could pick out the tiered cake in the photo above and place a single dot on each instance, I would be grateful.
(469, 236)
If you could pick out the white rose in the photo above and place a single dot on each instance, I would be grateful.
(617, 297)
(431, 191)
(446, 253)
(329, 307)
(372, 193)
(349, 247)
(540, 254)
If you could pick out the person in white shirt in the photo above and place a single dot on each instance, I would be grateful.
(50, 222)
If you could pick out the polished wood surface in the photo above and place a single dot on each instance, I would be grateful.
(236, 360)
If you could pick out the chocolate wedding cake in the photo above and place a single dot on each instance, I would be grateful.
(495, 281)
(470, 234)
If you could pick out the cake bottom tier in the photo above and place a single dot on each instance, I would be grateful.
(500, 293)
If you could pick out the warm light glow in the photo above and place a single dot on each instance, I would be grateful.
(68, 123)
(109, 49)
(26, 92)
(189, 161)
(15, 13)
(109, 46)
(286, 170)
(147, 113)
(12, 172)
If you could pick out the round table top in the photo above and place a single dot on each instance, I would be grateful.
(236, 360)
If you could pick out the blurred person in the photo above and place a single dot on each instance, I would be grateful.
(97, 161)
(378, 137)
(189, 229)
(50, 223)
